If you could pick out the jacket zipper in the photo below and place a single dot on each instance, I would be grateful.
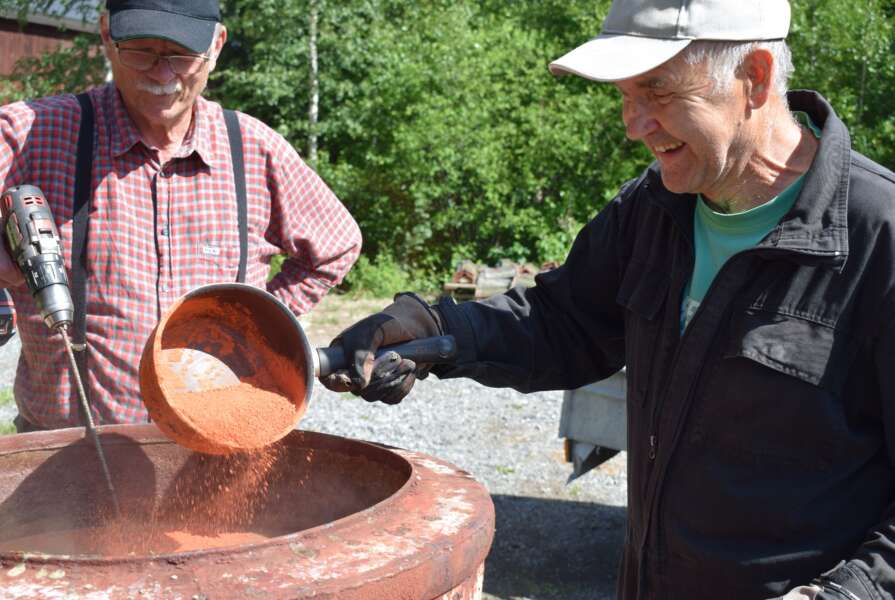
(651, 504)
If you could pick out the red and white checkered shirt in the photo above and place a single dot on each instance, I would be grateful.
(157, 232)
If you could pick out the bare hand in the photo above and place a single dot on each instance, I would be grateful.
(10, 275)
(803, 592)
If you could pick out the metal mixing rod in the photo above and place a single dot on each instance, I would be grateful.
(33, 242)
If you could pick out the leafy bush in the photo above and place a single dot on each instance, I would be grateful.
(380, 278)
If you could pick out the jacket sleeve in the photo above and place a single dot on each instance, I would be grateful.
(869, 574)
(566, 331)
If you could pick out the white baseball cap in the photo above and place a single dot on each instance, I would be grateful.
(640, 35)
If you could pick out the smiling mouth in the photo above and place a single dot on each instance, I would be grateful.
(668, 149)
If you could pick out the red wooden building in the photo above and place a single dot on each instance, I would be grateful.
(38, 33)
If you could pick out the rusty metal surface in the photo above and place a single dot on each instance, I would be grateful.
(471, 589)
(406, 525)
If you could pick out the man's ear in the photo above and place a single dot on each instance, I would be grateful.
(222, 39)
(758, 70)
(104, 28)
(105, 36)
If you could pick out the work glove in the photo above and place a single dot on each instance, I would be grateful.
(390, 377)
(803, 592)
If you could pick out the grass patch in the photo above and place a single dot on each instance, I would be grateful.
(6, 398)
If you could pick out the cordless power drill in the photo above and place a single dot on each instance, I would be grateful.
(33, 243)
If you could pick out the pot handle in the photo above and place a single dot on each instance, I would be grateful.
(432, 350)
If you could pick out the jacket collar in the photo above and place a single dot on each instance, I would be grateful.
(818, 221)
(817, 224)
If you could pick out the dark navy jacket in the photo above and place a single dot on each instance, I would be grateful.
(762, 440)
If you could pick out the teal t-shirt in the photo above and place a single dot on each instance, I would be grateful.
(718, 236)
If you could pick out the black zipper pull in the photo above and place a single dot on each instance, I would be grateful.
(653, 446)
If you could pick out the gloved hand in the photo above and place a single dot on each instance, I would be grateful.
(389, 378)
(803, 592)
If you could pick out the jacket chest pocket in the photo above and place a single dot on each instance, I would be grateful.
(807, 350)
(643, 292)
(778, 375)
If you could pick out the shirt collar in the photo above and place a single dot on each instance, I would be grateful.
(199, 138)
(123, 133)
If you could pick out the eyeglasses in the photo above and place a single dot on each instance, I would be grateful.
(143, 60)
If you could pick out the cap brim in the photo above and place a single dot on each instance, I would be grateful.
(617, 57)
(193, 34)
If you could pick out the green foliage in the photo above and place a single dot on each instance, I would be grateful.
(445, 135)
(440, 126)
(844, 50)
(276, 264)
(380, 278)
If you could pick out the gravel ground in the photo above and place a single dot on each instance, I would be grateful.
(553, 541)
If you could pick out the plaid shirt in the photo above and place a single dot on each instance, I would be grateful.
(157, 232)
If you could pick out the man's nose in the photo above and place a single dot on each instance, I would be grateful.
(639, 122)
(161, 71)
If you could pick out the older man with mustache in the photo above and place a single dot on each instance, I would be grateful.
(177, 193)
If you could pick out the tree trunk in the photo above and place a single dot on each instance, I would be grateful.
(313, 105)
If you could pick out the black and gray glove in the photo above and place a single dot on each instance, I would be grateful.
(388, 378)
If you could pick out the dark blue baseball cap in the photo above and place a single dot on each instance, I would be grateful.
(189, 23)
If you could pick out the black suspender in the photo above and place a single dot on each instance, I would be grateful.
(81, 211)
(239, 180)
(83, 194)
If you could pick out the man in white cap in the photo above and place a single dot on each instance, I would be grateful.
(156, 191)
(746, 279)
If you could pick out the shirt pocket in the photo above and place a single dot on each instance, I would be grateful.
(216, 259)
(642, 293)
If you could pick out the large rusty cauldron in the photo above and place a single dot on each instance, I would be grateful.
(338, 519)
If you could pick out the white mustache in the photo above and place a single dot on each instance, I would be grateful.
(168, 89)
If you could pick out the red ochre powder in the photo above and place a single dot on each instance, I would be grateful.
(254, 395)
(240, 416)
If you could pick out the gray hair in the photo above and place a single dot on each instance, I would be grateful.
(214, 38)
(725, 59)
